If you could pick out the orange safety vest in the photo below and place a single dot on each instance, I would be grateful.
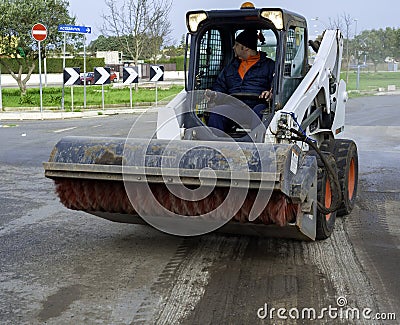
(245, 65)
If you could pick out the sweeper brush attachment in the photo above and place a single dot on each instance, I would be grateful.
(188, 189)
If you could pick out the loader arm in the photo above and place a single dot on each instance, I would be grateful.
(321, 87)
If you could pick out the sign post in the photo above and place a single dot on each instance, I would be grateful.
(63, 88)
(76, 30)
(156, 74)
(39, 33)
(130, 76)
(71, 77)
(101, 77)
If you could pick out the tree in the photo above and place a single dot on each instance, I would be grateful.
(344, 23)
(378, 45)
(371, 45)
(172, 50)
(336, 23)
(389, 42)
(159, 31)
(103, 43)
(135, 22)
(17, 20)
(397, 45)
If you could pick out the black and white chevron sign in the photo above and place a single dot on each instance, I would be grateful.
(156, 73)
(102, 76)
(71, 76)
(130, 75)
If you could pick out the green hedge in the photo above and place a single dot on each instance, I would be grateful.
(177, 60)
(55, 65)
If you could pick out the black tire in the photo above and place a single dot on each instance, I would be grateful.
(346, 156)
(328, 145)
(325, 223)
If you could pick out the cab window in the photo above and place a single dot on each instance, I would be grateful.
(295, 58)
(270, 43)
(211, 58)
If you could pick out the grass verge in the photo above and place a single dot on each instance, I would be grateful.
(113, 96)
(371, 82)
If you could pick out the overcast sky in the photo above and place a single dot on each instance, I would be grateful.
(369, 14)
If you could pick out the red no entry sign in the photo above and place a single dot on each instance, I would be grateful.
(39, 32)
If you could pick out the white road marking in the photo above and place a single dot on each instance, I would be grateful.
(63, 130)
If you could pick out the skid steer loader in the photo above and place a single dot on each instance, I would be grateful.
(287, 177)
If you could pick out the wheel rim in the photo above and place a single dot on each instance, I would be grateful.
(328, 198)
(351, 180)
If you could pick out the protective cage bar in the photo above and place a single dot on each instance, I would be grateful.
(211, 58)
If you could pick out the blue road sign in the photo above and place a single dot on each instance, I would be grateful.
(75, 29)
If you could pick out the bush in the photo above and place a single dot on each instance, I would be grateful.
(26, 100)
(177, 60)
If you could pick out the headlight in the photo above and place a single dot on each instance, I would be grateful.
(275, 16)
(194, 19)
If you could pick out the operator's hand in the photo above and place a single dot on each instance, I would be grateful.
(266, 94)
(210, 95)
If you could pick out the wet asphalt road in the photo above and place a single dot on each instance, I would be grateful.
(65, 267)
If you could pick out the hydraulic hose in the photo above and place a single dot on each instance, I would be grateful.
(331, 173)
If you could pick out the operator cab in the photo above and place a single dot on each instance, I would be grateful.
(210, 44)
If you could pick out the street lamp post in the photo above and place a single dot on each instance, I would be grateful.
(355, 32)
(356, 55)
(355, 41)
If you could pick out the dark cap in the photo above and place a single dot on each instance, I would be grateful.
(248, 38)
